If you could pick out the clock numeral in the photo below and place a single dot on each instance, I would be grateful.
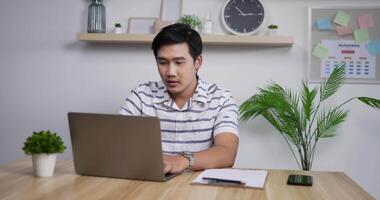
(260, 14)
(226, 16)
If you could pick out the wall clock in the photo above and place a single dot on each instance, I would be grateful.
(243, 17)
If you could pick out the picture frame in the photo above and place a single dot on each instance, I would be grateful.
(171, 10)
(141, 25)
(315, 65)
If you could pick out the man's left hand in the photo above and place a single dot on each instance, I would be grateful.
(175, 163)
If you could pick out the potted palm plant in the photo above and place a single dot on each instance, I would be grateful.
(299, 117)
(43, 146)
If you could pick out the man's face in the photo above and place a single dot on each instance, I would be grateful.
(178, 69)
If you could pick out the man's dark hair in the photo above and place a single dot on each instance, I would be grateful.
(176, 34)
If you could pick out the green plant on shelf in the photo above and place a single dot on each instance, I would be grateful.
(273, 26)
(192, 20)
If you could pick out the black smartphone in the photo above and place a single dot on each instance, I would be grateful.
(300, 180)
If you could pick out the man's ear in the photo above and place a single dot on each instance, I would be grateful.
(198, 62)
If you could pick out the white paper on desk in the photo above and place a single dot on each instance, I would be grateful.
(251, 178)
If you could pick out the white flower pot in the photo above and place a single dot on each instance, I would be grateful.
(44, 164)
(272, 32)
(118, 30)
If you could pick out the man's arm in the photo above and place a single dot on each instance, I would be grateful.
(221, 154)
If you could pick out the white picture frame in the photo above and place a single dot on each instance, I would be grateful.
(141, 25)
(171, 10)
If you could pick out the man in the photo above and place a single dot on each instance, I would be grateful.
(199, 121)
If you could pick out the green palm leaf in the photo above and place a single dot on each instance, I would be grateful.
(375, 103)
(328, 123)
(333, 83)
(308, 100)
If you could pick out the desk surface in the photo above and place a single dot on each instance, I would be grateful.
(18, 182)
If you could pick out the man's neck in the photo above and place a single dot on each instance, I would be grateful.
(181, 99)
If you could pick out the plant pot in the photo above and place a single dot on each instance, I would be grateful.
(272, 32)
(44, 164)
(118, 30)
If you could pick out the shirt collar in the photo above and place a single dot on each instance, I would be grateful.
(199, 95)
(162, 94)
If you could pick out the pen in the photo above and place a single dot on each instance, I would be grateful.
(223, 181)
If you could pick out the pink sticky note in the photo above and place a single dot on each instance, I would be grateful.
(365, 21)
(342, 30)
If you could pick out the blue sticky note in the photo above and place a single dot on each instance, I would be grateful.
(373, 47)
(324, 25)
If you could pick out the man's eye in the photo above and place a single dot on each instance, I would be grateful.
(179, 63)
(162, 62)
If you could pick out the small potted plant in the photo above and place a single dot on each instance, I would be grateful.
(192, 20)
(118, 29)
(43, 146)
(272, 29)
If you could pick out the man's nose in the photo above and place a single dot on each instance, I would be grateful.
(172, 71)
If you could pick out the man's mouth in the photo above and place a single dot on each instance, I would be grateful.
(172, 83)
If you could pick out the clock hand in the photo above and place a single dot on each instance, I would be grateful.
(239, 11)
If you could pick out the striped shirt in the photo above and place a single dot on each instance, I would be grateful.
(209, 112)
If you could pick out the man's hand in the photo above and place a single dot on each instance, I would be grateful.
(175, 163)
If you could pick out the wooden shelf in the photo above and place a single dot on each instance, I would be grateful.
(226, 40)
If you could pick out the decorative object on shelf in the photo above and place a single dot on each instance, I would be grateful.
(96, 22)
(43, 146)
(159, 24)
(118, 29)
(171, 10)
(207, 25)
(243, 17)
(299, 118)
(141, 24)
(192, 20)
(272, 29)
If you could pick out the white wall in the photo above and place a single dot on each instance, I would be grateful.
(45, 73)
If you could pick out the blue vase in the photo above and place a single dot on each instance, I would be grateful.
(96, 17)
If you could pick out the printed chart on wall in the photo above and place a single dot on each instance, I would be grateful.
(348, 36)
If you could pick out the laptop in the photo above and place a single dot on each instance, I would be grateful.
(117, 146)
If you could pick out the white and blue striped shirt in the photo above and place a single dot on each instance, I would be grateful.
(209, 112)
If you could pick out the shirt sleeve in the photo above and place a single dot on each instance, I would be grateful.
(227, 118)
(132, 105)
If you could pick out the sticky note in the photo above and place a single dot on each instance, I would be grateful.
(324, 24)
(320, 51)
(342, 18)
(365, 21)
(373, 47)
(342, 30)
(361, 35)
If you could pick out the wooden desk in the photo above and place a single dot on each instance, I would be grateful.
(17, 182)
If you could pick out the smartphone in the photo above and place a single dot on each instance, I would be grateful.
(300, 180)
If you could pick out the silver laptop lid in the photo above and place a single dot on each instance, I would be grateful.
(116, 146)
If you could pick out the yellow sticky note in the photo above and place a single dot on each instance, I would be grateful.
(320, 51)
(342, 18)
(361, 35)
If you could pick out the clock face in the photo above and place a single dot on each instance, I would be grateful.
(243, 17)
